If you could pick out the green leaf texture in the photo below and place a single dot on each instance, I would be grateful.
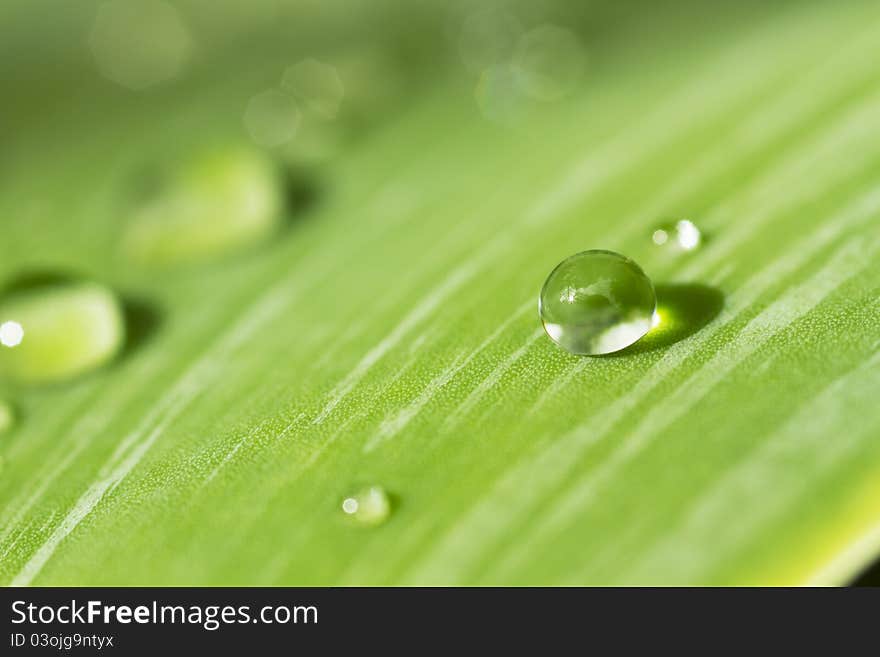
(390, 334)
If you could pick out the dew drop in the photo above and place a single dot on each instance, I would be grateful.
(597, 302)
(53, 329)
(215, 202)
(681, 235)
(7, 416)
(369, 507)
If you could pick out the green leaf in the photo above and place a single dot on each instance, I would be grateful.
(390, 337)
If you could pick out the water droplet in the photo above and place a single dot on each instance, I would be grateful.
(369, 506)
(216, 202)
(681, 235)
(597, 302)
(317, 84)
(7, 416)
(52, 329)
(549, 62)
(272, 118)
(139, 43)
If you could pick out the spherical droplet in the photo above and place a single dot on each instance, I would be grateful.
(139, 43)
(681, 235)
(7, 416)
(217, 201)
(597, 302)
(53, 329)
(369, 506)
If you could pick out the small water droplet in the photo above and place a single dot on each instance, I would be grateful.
(54, 328)
(597, 302)
(370, 506)
(7, 416)
(215, 202)
(681, 235)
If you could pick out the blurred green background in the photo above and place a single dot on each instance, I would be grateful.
(435, 160)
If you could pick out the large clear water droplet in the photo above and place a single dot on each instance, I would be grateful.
(370, 506)
(217, 201)
(53, 328)
(597, 302)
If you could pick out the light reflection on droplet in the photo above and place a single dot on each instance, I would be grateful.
(317, 84)
(11, 334)
(139, 43)
(272, 118)
(688, 235)
(549, 62)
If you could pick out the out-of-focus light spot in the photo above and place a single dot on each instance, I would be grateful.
(488, 38)
(498, 96)
(549, 62)
(350, 505)
(660, 237)
(317, 84)
(272, 117)
(11, 334)
(139, 43)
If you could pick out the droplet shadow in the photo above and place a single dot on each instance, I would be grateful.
(142, 320)
(302, 192)
(683, 308)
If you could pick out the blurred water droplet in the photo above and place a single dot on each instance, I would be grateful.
(597, 302)
(272, 118)
(369, 506)
(139, 43)
(7, 416)
(677, 236)
(217, 201)
(61, 328)
(549, 62)
(317, 84)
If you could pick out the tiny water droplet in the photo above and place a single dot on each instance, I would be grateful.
(53, 328)
(369, 506)
(215, 202)
(7, 416)
(597, 302)
(681, 235)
